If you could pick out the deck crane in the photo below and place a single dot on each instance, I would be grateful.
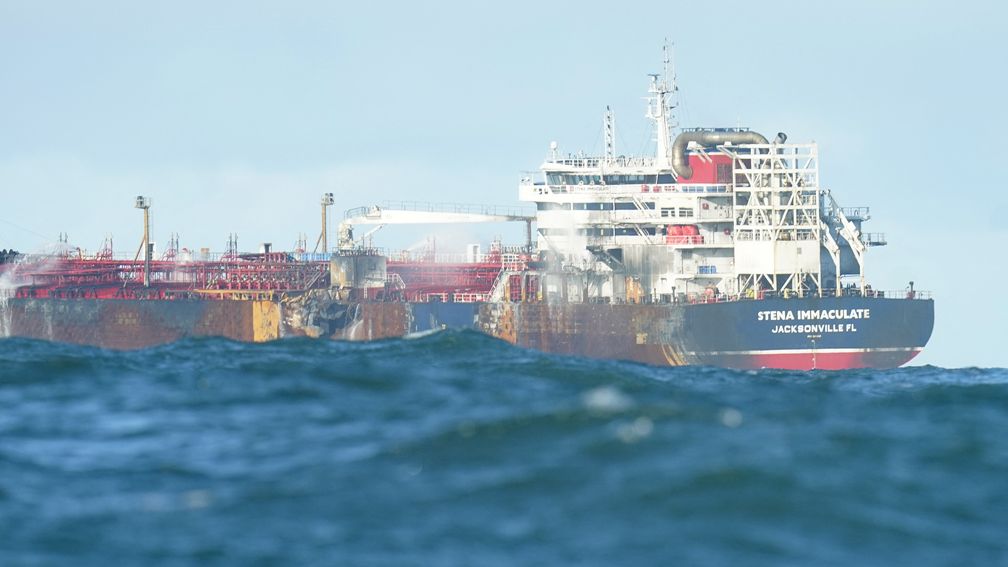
(426, 213)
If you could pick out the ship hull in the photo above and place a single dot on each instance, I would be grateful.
(131, 324)
(800, 333)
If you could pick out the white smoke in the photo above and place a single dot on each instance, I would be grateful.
(14, 275)
(8, 287)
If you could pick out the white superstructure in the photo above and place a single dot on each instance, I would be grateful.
(714, 212)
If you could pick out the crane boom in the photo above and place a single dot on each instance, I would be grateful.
(424, 214)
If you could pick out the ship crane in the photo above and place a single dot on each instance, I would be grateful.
(426, 213)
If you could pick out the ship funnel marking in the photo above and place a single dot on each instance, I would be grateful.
(680, 162)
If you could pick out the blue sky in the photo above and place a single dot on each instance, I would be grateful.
(235, 116)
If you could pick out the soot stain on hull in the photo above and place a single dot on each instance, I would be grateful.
(657, 334)
(130, 324)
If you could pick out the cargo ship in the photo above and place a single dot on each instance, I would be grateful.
(721, 249)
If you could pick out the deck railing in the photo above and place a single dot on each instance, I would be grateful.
(439, 207)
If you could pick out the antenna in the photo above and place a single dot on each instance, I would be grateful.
(172, 251)
(232, 247)
(665, 58)
(659, 108)
(673, 83)
(106, 249)
(608, 127)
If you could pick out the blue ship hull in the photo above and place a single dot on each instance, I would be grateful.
(799, 333)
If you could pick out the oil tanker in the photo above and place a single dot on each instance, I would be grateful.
(721, 249)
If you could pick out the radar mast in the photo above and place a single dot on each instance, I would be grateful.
(661, 106)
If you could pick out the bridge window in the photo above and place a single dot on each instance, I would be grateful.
(577, 179)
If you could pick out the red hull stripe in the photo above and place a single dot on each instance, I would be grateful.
(822, 359)
(806, 351)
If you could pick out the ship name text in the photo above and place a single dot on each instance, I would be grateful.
(813, 315)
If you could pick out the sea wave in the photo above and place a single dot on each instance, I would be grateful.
(455, 448)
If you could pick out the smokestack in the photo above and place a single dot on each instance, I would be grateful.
(680, 163)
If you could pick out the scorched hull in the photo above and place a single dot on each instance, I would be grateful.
(801, 334)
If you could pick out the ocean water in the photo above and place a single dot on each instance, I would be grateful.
(457, 449)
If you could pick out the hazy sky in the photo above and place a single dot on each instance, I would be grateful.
(236, 116)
